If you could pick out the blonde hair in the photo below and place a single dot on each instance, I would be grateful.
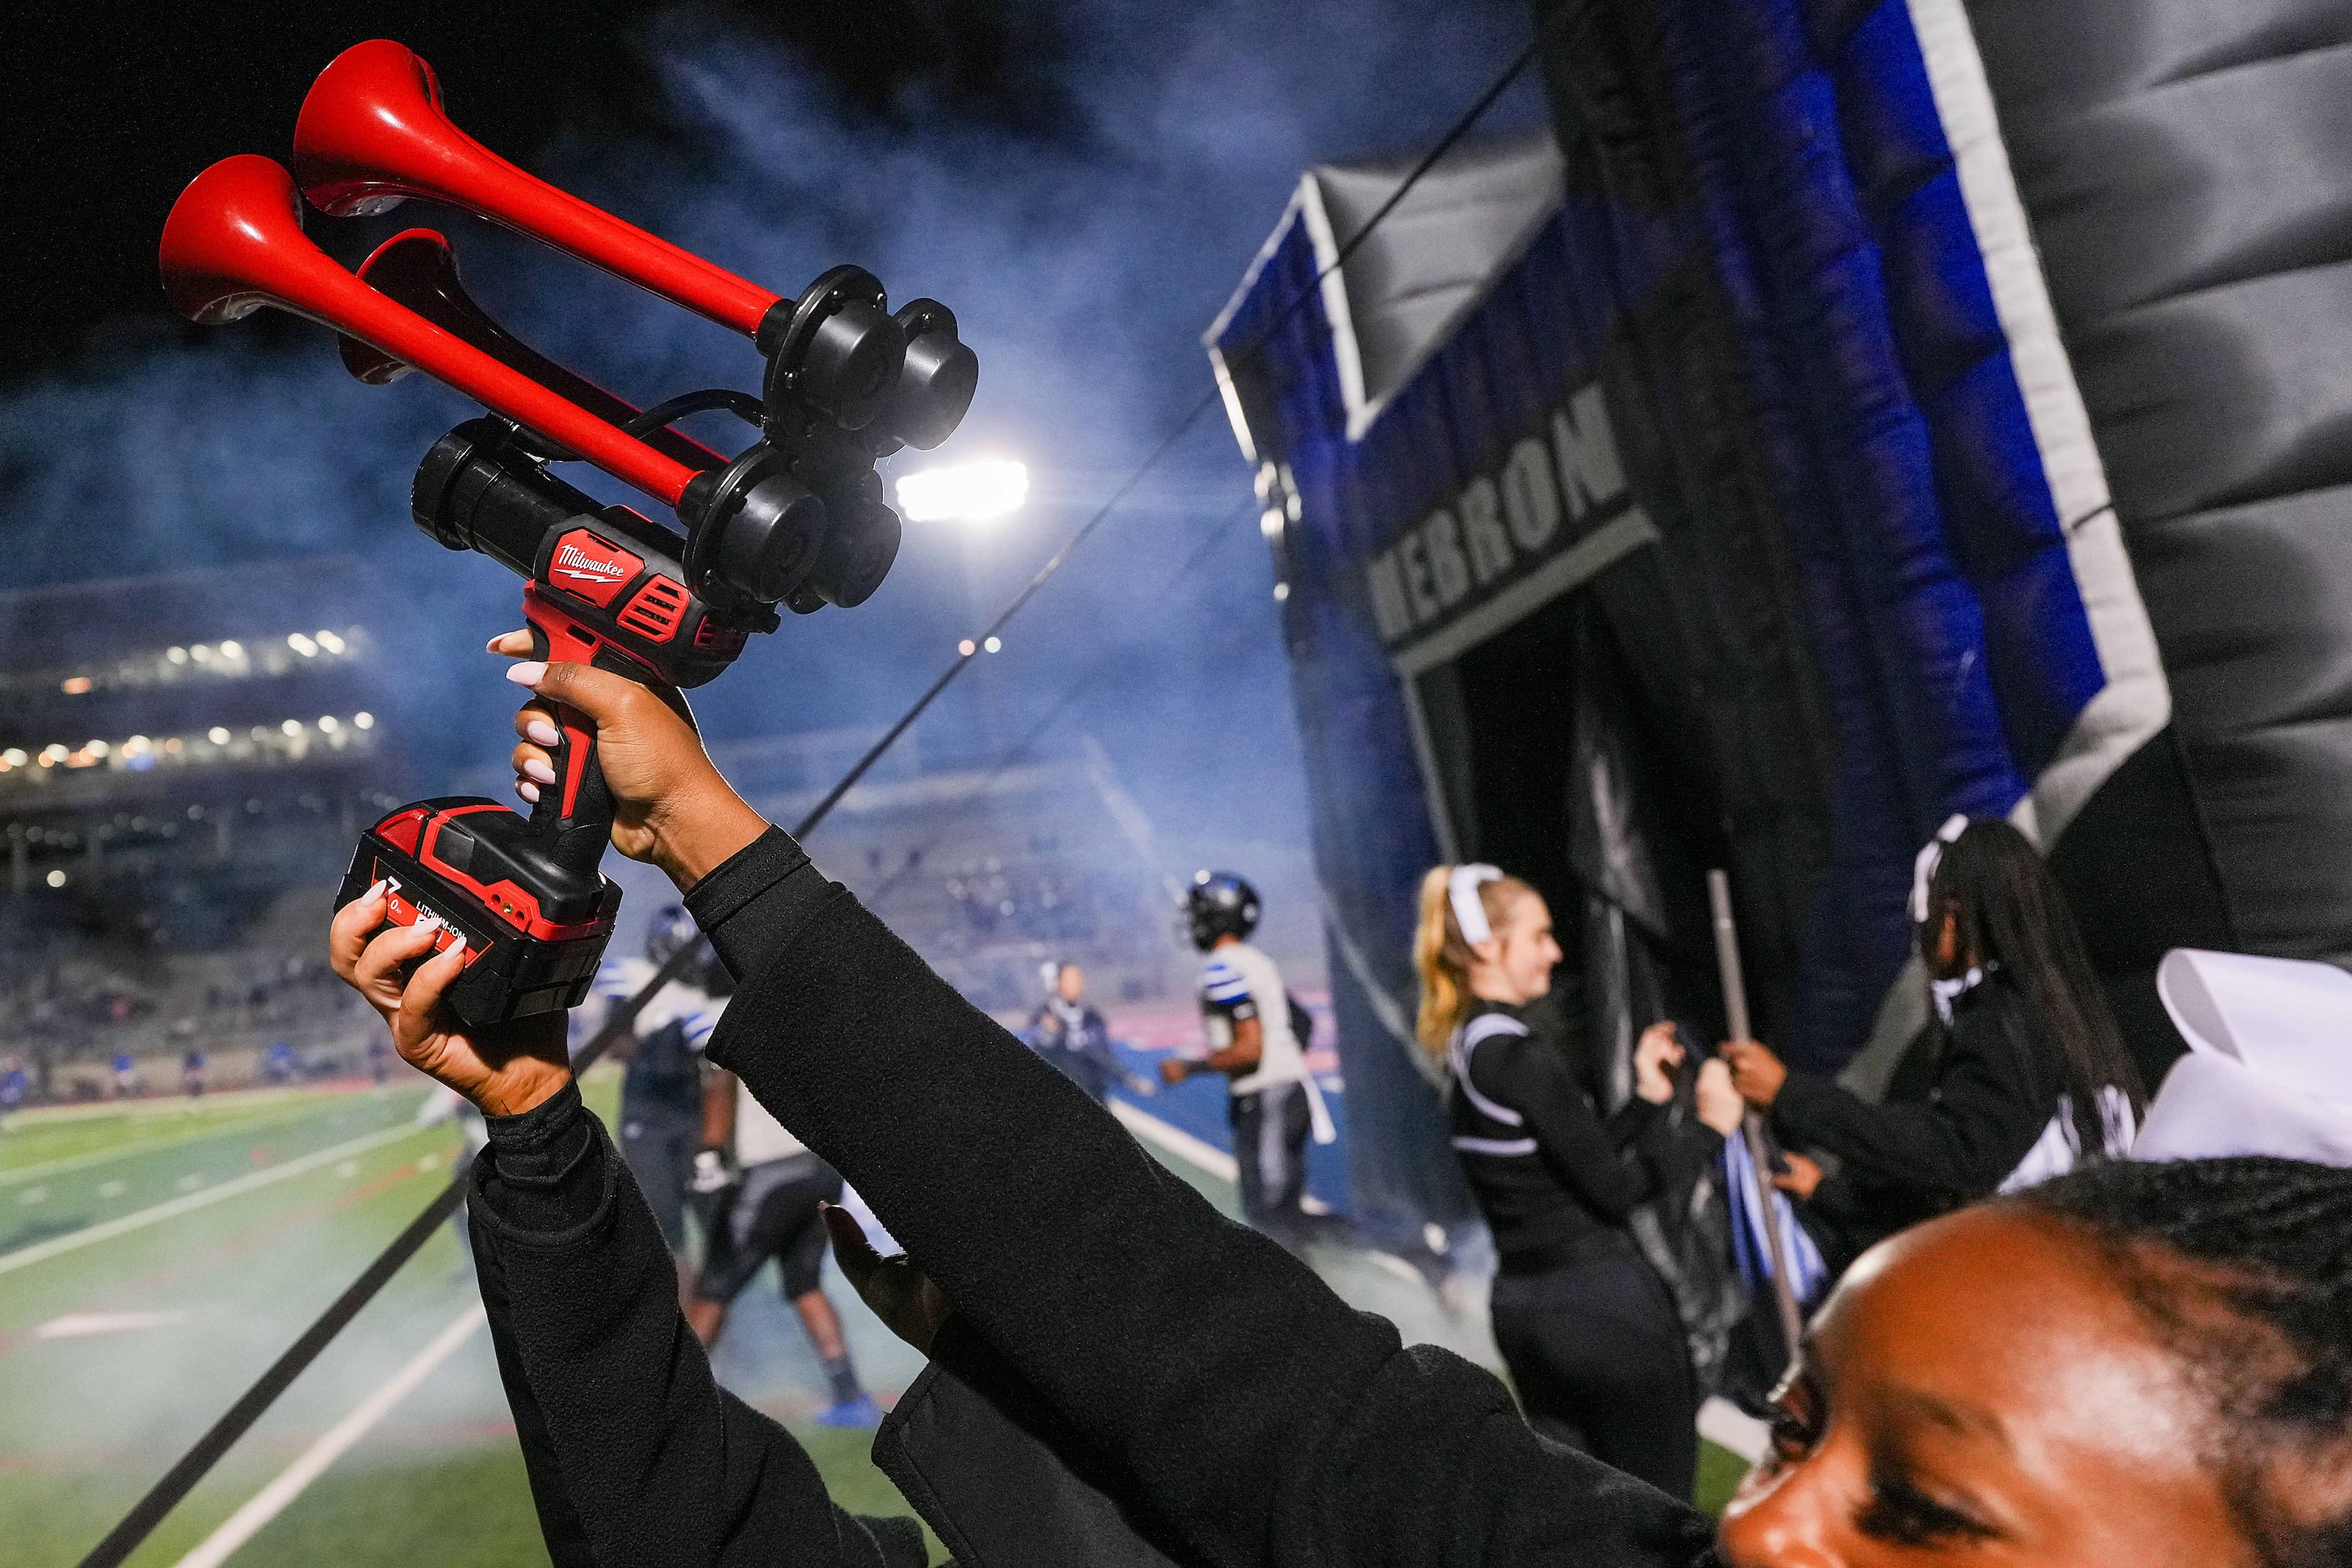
(1442, 956)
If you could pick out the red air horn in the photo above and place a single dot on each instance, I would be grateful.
(418, 269)
(235, 243)
(372, 133)
(795, 519)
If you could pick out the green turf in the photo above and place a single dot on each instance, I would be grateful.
(1721, 1472)
(473, 1507)
(30, 1141)
(88, 1421)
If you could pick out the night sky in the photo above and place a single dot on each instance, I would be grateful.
(1083, 181)
(109, 118)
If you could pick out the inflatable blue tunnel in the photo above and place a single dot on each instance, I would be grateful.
(1856, 414)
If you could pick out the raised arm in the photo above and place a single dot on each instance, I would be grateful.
(1255, 1417)
(1992, 1100)
(635, 1454)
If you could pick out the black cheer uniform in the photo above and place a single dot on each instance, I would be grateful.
(1237, 1410)
(1585, 1324)
(1969, 1098)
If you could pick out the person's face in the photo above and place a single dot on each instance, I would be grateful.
(1524, 951)
(1071, 982)
(1983, 1391)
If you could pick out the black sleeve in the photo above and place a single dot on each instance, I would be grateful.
(1532, 1076)
(1254, 1416)
(1993, 1095)
(635, 1454)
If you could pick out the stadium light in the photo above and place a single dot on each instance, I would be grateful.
(302, 645)
(216, 735)
(56, 878)
(363, 720)
(330, 642)
(968, 492)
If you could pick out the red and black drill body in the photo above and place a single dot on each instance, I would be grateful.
(607, 587)
(796, 518)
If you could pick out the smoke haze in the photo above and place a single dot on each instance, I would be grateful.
(1084, 238)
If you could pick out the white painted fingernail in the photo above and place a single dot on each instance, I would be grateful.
(376, 889)
(530, 672)
(535, 769)
(545, 733)
(527, 790)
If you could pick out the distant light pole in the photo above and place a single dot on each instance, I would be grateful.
(975, 496)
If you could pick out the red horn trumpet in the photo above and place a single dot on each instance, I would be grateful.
(418, 269)
(795, 519)
(372, 133)
(234, 243)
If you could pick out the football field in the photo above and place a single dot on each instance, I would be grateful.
(156, 1255)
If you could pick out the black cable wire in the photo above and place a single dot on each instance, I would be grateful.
(669, 411)
(1006, 759)
(165, 1494)
(181, 1478)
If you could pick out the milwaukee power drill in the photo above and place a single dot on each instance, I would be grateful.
(795, 519)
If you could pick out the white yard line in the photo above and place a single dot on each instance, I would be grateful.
(1727, 1426)
(229, 1124)
(101, 1156)
(81, 1325)
(89, 1235)
(1176, 1142)
(295, 1478)
(147, 1107)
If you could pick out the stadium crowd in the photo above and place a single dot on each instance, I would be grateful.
(2035, 1349)
(87, 1026)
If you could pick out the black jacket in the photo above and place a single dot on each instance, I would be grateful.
(1554, 1178)
(1968, 1103)
(1241, 1413)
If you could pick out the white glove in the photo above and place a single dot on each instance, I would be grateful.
(709, 1174)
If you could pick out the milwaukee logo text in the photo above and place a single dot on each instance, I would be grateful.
(573, 561)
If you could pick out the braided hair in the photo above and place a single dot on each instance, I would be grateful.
(2261, 1316)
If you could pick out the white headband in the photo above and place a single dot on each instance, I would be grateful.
(1923, 869)
(1461, 892)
